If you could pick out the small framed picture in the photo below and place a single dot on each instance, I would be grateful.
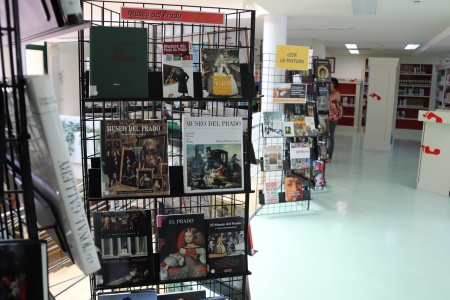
(332, 63)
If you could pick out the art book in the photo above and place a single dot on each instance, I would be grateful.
(299, 124)
(186, 295)
(288, 129)
(271, 192)
(134, 158)
(299, 155)
(322, 128)
(118, 62)
(322, 70)
(221, 72)
(129, 295)
(323, 99)
(182, 246)
(272, 124)
(124, 239)
(272, 158)
(227, 207)
(289, 93)
(310, 126)
(293, 189)
(23, 269)
(319, 173)
(178, 70)
(213, 154)
(226, 245)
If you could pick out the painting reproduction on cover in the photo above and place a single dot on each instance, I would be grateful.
(182, 246)
(272, 124)
(125, 243)
(293, 189)
(134, 158)
(178, 68)
(272, 158)
(213, 154)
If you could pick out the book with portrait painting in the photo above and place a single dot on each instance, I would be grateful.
(134, 158)
(221, 72)
(181, 246)
(124, 240)
(213, 154)
(226, 245)
(323, 99)
(322, 70)
(293, 189)
(322, 128)
(272, 158)
(178, 70)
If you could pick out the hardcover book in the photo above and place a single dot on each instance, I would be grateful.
(129, 295)
(323, 99)
(322, 128)
(124, 239)
(221, 72)
(226, 245)
(186, 295)
(310, 126)
(23, 269)
(272, 158)
(272, 124)
(299, 124)
(52, 172)
(182, 246)
(213, 154)
(118, 62)
(134, 158)
(293, 189)
(178, 70)
(271, 192)
(322, 69)
(288, 129)
(299, 155)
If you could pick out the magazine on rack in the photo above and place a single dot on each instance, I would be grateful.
(178, 70)
(299, 155)
(134, 158)
(213, 154)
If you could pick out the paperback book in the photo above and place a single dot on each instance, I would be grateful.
(289, 93)
(182, 246)
(186, 295)
(322, 128)
(221, 72)
(299, 125)
(271, 192)
(322, 69)
(124, 239)
(272, 158)
(134, 158)
(129, 295)
(226, 245)
(213, 154)
(288, 129)
(310, 126)
(299, 155)
(272, 124)
(323, 99)
(178, 70)
(293, 189)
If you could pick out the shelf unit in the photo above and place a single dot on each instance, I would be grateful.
(442, 86)
(414, 92)
(106, 13)
(362, 108)
(350, 98)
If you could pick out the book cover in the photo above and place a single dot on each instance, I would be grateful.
(322, 128)
(185, 295)
(272, 158)
(299, 155)
(129, 295)
(289, 92)
(271, 192)
(272, 124)
(52, 172)
(226, 245)
(182, 246)
(134, 158)
(310, 126)
(319, 173)
(322, 69)
(124, 239)
(293, 190)
(288, 129)
(23, 270)
(221, 72)
(323, 99)
(213, 154)
(178, 70)
(118, 62)
(299, 125)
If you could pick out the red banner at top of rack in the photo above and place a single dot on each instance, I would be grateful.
(164, 15)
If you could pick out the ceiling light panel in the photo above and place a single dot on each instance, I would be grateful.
(412, 46)
(364, 7)
(354, 51)
(351, 46)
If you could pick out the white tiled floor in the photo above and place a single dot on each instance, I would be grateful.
(369, 235)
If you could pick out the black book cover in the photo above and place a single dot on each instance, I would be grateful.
(322, 70)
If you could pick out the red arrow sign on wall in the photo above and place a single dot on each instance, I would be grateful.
(373, 95)
(427, 150)
(429, 115)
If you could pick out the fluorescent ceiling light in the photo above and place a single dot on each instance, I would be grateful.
(351, 46)
(319, 28)
(354, 51)
(364, 7)
(412, 46)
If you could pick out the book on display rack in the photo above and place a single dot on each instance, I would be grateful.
(129, 295)
(178, 70)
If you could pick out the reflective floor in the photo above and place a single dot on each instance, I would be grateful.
(370, 234)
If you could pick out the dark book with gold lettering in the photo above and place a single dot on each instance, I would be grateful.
(182, 246)
(124, 239)
(134, 158)
(226, 245)
(322, 70)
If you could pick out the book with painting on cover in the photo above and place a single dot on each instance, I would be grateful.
(52, 172)
(221, 72)
(272, 124)
(124, 239)
(323, 99)
(322, 70)
(129, 295)
(185, 295)
(293, 189)
(23, 269)
(224, 206)
(299, 125)
(226, 245)
(310, 126)
(134, 158)
(272, 158)
(299, 155)
(322, 128)
(182, 246)
(271, 192)
(213, 154)
(178, 70)
(118, 62)
(289, 92)
(288, 129)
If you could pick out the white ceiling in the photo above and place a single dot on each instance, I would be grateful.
(396, 24)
